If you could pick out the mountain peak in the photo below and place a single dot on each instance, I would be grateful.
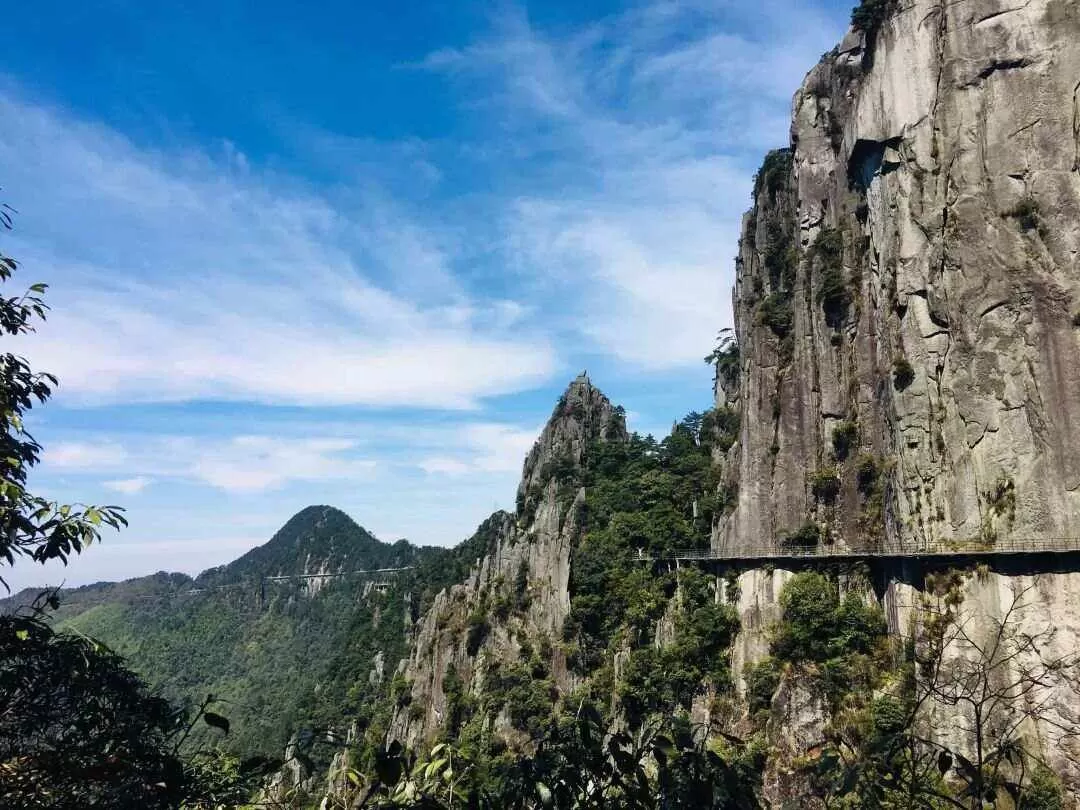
(317, 539)
(582, 415)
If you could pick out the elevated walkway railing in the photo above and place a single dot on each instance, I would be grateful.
(825, 551)
(334, 574)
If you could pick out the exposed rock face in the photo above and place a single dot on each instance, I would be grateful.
(910, 270)
(1044, 606)
(520, 590)
(906, 304)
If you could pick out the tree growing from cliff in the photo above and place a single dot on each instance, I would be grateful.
(994, 681)
(956, 733)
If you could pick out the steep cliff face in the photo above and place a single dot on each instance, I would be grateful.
(908, 288)
(907, 309)
(517, 595)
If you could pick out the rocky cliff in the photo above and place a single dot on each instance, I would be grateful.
(517, 595)
(907, 312)
(908, 288)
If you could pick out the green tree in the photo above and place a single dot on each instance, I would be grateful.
(991, 680)
(578, 764)
(29, 525)
(78, 729)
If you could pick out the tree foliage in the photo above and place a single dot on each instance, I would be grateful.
(29, 525)
(578, 764)
(78, 729)
(643, 497)
(870, 15)
(992, 678)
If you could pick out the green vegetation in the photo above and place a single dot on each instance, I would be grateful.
(775, 309)
(775, 172)
(1002, 498)
(781, 257)
(820, 627)
(878, 754)
(870, 15)
(903, 373)
(725, 357)
(845, 436)
(867, 471)
(775, 312)
(1027, 215)
(578, 764)
(833, 293)
(1044, 792)
(825, 484)
(868, 482)
(659, 680)
(79, 729)
(1000, 502)
(720, 427)
(762, 681)
(285, 657)
(806, 536)
(640, 498)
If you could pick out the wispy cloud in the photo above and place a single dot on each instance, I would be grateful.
(82, 455)
(258, 463)
(183, 277)
(645, 121)
(129, 486)
(579, 208)
(247, 463)
(482, 448)
(254, 463)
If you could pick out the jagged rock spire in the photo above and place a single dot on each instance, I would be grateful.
(582, 415)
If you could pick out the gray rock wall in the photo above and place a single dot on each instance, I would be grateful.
(946, 163)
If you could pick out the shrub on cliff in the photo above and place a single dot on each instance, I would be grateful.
(817, 625)
(825, 485)
(870, 15)
(774, 172)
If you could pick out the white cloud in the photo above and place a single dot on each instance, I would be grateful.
(482, 448)
(180, 277)
(255, 463)
(128, 486)
(644, 121)
(260, 462)
(78, 455)
(441, 465)
(590, 214)
(249, 463)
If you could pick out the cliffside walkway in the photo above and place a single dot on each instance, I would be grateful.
(291, 577)
(925, 551)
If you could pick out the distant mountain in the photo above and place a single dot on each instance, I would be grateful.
(303, 649)
(316, 540)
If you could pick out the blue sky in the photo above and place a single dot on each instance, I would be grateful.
(352, 255)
